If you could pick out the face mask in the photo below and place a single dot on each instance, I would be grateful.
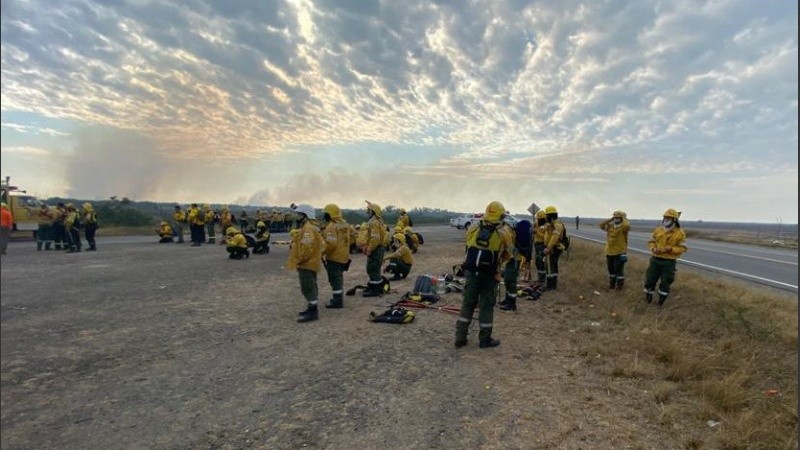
(667, 223)
(617, 220)
(327, 217)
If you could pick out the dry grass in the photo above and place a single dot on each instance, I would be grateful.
(716, 351)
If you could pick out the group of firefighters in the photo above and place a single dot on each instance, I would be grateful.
(495, 251)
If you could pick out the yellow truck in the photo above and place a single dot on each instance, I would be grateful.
(22, 207)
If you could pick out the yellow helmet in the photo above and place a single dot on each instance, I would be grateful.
(494, 212)
(206, 207)
(551, 210)
(401, 211)
(618, 213)
(226, 208)
(164, 223)
(3, 204)
(672, 213)
(399, 237)
(231, 231)
(87, 206)
(374, 207)
(540, 214)
(333, 211)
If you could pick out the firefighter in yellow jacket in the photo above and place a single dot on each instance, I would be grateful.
(179, 220)
(488, 245)
(539, 222)
(72, 223)
(374, 248)
(403, 220)
(90, 226)
(553, 231)
(210, 218)
(164, 232)
(666, 245)
(236, 244)
(305, 256)
(336, 253)
(401, 260)
(617, 229)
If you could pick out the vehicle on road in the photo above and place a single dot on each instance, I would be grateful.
(21, 206)
(463, 222)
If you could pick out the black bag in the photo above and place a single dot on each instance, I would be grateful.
(394, 314)
(565, 239)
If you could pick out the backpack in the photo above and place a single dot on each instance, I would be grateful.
(480, 258)
(524, 237)
(394, 314)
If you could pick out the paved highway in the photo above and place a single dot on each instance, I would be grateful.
(772, 267)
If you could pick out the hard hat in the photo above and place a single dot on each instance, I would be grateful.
(164, 223)
(398, 229)
(408, 230)
(206, 206)
(494, 212)
(401, 211)
(225, 208)
(399, 237)
(618, 213)
(374, 207)
(306, 209)
(3, 204)
(333, 211)
(261, 224)
(551, 210)
(87, 206)
(70, 206)
(672, 213)
(540, 214)
(231, 231)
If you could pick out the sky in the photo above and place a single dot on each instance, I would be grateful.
(587, 106)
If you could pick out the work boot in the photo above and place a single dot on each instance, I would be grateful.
(462, 328)
(648, 297)
(372, 290)
(612, 283)
(336, 302)
(92, 248)
(661, 299)
(247, 254)
(58, 246)
(47, 246)
(508, 304)
(489, 343)
(620, 283)
(212, 240)
(309, 314)
(460, 343)
(39, 246)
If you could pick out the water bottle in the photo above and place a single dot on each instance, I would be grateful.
(440, 285)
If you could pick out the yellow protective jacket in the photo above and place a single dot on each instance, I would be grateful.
(403, 221)
(70, 218)
(538, 234)
(552, 234)
(336, 236)
(237, 240)
(616, 236)
(403, 253)
(225, 219)
(209, 215)
(262, 232)
(667, 244)
(408, 231)
(179, 216)
(196, 217)
(306, 248)
(165, 230)
(376, 234)
(45, 216)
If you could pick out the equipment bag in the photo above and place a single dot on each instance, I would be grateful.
(395, 314)
(565, 239)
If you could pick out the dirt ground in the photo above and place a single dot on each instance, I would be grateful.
(147, 345)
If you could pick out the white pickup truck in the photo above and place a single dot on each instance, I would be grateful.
(463, 222)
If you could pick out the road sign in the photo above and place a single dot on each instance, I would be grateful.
(533, 209)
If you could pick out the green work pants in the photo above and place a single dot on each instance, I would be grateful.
(479, 291)
(663, 269)
(308, 285)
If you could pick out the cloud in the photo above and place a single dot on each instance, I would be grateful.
(25, 150)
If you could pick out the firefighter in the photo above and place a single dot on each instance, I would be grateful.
(237, 244)
(401, 260)
(617, 229)
(336, 253)
(72, 223)
(226, 220)
(59, 232)
(6, 224)
(261, 246)
(211, 218)
(197, 223)
(179, 219)
(44, 234)
(90, 226)
(538, 245)
(403, 220)
(488, 245)
(412, 239)
(164, 233)
(666, 246)
(305, 256)
(554, 230)
(375, 236)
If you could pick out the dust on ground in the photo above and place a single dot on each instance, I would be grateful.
(147, 345)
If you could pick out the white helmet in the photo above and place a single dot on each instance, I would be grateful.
(306, 209)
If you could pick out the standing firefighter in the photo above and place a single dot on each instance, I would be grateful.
(488, 245)
(554, 231)
(90, 226)
(59, 231)
(44, 234)
(305, 256)
(179, 219)
(374, 249)
(522, 236)
(197, 223)
(616, 228)
(538, 245)
(667, 245)
(211, 218)
(72, 223)
(336, 253)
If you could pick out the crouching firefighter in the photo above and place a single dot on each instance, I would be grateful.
(488, 245)
(262, 238)
(336, 252)
(236, 244)
(376, 235)
(305, 256)
(401, 260)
